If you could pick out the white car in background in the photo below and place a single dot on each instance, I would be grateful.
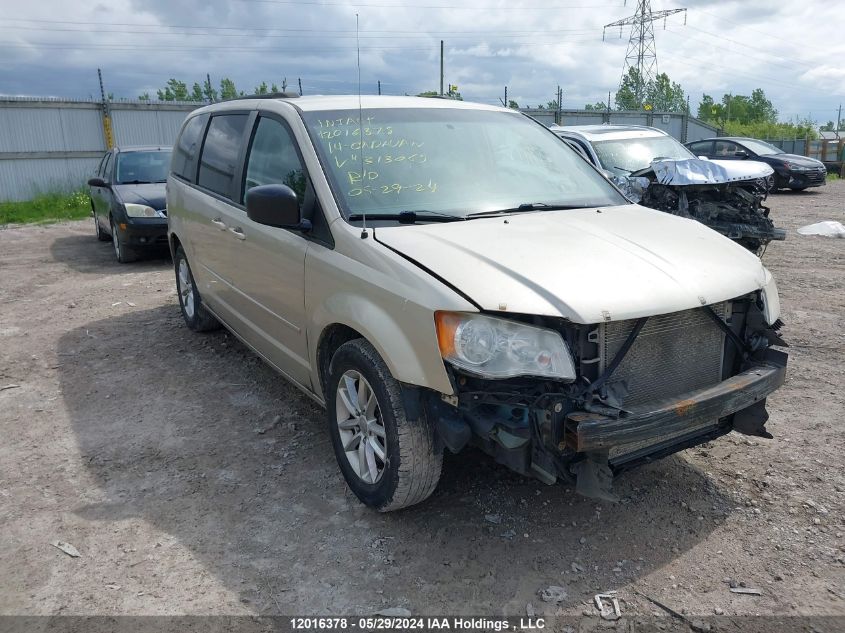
(656, 170)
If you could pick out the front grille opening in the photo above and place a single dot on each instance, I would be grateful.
(674, 353)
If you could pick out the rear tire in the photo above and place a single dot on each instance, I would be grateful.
(197, 318)
(122, 252)
(400, 460)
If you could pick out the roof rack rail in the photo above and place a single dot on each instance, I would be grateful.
(271, 95)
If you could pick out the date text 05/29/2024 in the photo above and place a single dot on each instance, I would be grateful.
(410, 623)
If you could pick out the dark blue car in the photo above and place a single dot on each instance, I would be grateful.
(128, 199)
(792, 171)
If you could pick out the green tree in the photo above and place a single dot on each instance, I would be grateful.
(661, 94)
(513, 105)
(262, 89)
(552, 105)
(274, 89)
(144, 97)
(596, 106)
(664, 95)
(760, 108)
(708, 110)
(227, 89)
(174, 91)
(741, 109)
(632, 85)
(196, 93)
(830, 126)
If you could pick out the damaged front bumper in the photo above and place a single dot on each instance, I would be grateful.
(624, 410)
(695, 412)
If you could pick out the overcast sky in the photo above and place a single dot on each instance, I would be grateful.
(793, 50)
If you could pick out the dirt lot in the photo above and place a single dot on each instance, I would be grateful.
(147, 448)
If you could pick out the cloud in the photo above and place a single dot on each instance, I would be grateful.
(54, 47)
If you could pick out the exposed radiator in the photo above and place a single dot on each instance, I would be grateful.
(673, 353)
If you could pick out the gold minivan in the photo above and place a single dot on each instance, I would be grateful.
(438, 273)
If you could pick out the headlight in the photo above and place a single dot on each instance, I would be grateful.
(771, 300)
(794, 167)
(499, 348)
(140, 211)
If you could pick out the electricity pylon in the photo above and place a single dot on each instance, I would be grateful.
(642, 52)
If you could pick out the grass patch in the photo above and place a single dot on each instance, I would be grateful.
(832, 177)
(47, 207)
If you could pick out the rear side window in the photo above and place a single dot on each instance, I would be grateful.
(187, 147)
(273, 159)
(219, 159)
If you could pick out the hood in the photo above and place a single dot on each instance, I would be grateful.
(797, 159)
(586, 265)
(694, 171)
(151, 194)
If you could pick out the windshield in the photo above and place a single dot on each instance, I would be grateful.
(449, 161)
(142, 167)
(760, 148)
(623, 156)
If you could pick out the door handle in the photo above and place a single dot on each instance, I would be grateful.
(238, 233)
(219, 224)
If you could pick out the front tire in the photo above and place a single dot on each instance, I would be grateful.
(388, 460)
(122, 252)
(197, 318)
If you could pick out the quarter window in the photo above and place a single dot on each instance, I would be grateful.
(273, 159)
(219, 158)
(186, 148)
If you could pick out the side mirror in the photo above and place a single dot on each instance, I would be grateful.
(741, 154)
(97, 182)
(275, 205)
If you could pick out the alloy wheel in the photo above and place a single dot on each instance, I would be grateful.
(360, 425)
(186, 287)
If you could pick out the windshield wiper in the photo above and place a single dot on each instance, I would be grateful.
(408, 217)
(527, 206)
(135, 182)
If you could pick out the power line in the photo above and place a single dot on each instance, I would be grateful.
(305, 33)
(428, 6)
(300, 49)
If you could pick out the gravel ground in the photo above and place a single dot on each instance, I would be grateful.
(153, 452)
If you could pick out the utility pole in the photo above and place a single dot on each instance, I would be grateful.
(379, 86)
(559, 103)
(642, 51)
(505, 100)
(838, 120)
(285, 84)
(441, 68)
(108, 133)
(210, 92)
(300, 86)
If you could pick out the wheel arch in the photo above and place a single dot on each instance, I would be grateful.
(409, 348)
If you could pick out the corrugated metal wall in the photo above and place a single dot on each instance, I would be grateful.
(54, 145)
(682, 127)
